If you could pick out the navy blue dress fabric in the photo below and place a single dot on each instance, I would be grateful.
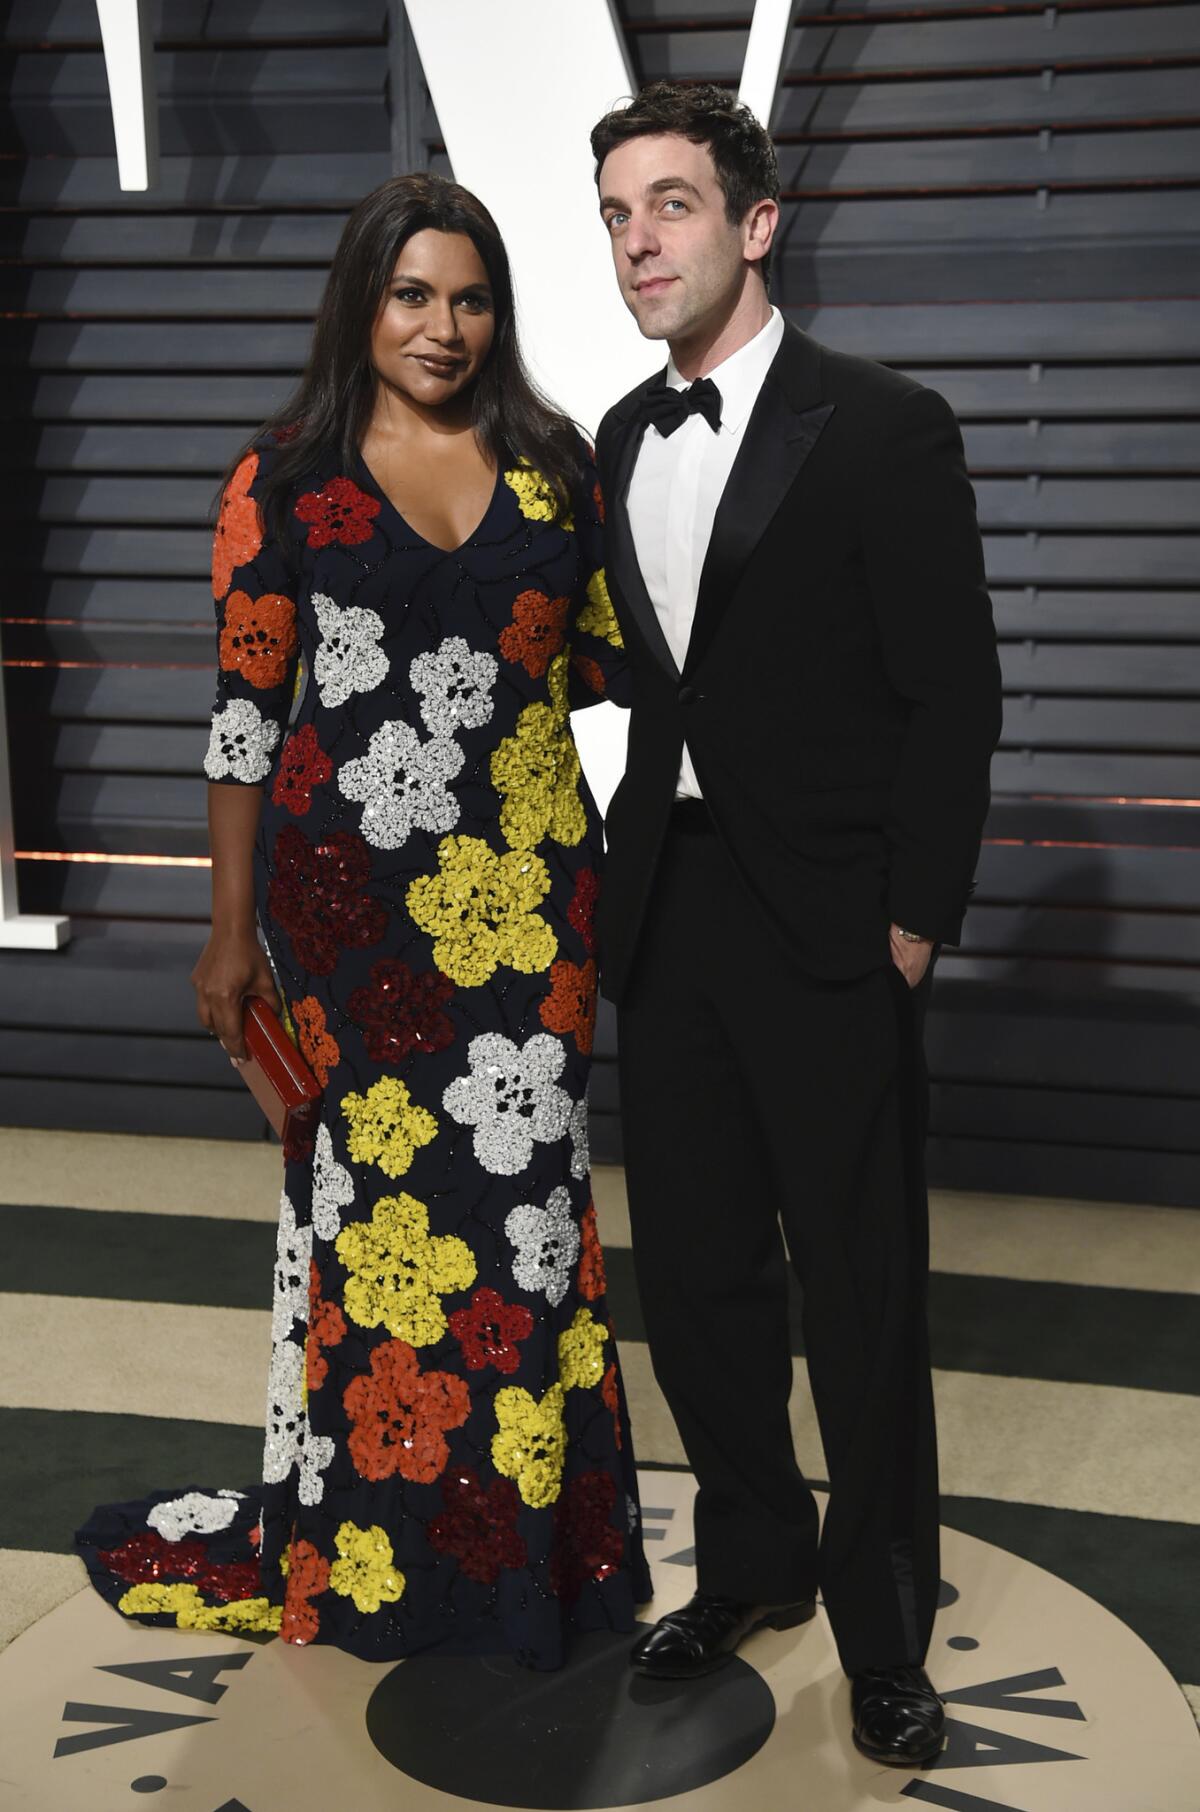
(448, 1462)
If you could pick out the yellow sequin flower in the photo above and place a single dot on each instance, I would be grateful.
(530, 1442)
(480, 910)
(536, 773)
(191, 1613)
(399, 1271)
(365, 1569)
(535, 495)
(598, 616)
(385, 1127)
(581, 1352)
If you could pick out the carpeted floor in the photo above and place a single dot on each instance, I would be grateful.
(135, 1332)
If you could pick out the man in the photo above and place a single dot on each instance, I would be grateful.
(796, 567)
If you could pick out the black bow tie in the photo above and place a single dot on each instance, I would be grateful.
(667, 408)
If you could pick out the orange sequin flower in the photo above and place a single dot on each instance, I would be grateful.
(239, 531)
(590, 672)
(326, 1327)
(598, 500)
(259, 637)
(307, 1577)
(570, 1005)
(400, 1415)
(318, 1046)
(592, 1279)
(535, 635)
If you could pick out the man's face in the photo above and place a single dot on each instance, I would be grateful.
(679, 262)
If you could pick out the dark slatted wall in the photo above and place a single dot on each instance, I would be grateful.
(1004, 199)
(1001, 198)
(142, 339)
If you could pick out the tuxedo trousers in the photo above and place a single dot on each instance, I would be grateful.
(761, 1105)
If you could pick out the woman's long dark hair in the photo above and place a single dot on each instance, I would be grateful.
(329, 412)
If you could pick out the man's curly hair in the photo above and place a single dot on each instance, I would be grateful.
(741, 149)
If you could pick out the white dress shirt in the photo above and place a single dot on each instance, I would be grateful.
(675, 489)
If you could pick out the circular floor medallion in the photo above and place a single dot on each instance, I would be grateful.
(1054, 1706)
(592, 1735)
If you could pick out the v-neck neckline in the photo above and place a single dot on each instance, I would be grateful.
(446, 552)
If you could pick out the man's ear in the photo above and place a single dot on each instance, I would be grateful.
(759, 228)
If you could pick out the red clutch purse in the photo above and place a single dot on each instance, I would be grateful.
(276, 1074)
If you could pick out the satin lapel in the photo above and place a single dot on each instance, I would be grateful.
(778, 440)
(623, 569)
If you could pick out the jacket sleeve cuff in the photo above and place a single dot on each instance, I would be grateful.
(928, 911)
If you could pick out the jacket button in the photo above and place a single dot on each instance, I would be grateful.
(688, 695)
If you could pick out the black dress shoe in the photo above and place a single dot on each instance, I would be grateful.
(704, 1634)
(898, 1717)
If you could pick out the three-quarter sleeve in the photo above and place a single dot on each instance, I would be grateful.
(254, 582)
(598, 665)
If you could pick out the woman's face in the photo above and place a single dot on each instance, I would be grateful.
(434, 328)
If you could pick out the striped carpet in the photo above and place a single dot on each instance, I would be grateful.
(135, 1332)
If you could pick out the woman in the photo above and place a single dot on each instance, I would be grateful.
(408, 559)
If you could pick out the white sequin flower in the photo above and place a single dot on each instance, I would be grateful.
(511, 1098)
(316, 1452)
(455, 687)
(286, 1420)
(332, 1188)
(290, 1441)
(547, 1245)
(293, 1251)
(240, 743)
(196, 1513)
(401, 782)
(581, 1157)
(349, 658)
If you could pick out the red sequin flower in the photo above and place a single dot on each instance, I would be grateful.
(590, 672)
(302, 766)
(326, 1327)
(612, 1401)
(570, 1005)
(402, 1012)
(535, 635)
(598, 500)
(478, 1526)
(238, 535)
(316, 894)
(586, 1546)
(307, 1578)
(400, 1415)
(592, 1280)
(147, 1557)
(150, 1557)
(581, 912)
(338, 512)
(258, 637)
(490, 1331)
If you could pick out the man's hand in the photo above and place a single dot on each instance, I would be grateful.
(912, 959)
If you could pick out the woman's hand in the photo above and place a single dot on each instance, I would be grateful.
(231, 965)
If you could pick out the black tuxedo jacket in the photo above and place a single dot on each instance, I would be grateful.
(841, 692)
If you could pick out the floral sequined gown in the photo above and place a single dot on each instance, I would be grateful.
(448, 1460)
